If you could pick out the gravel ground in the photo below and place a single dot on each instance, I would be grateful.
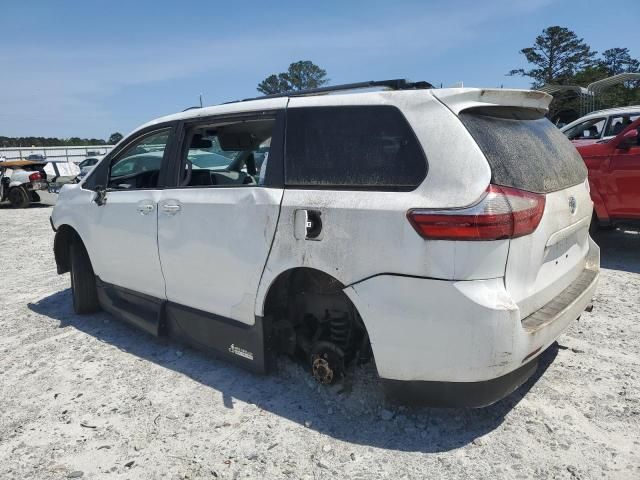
(90, 397)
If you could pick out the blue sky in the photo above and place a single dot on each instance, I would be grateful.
(89, 68)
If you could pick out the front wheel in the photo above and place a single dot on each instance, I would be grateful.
(593, 227)
(83, 281)
(19, 197)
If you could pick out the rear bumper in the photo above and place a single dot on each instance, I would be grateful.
(39, 185)
(458, 394)
(444, 333)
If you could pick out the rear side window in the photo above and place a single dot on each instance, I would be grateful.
(529, 154)
(353, 147)
(618, 123)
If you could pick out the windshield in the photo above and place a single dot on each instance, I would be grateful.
(211, 160)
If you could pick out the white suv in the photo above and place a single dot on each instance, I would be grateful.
(441, 233)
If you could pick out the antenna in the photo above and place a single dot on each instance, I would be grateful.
(200, 100)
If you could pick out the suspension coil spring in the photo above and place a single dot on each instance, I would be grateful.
(340, 329)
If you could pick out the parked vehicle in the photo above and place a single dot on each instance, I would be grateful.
(60, 173)
(87, 164)
(20, 181)
(601, 125)
(614, 177)
(441, 232)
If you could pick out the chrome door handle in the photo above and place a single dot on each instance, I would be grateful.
(170, 208)
(145, 208)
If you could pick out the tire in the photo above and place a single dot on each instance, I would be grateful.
(83, 281)
(35, 197)
(594, 225)
(596, 228)
(19, 197)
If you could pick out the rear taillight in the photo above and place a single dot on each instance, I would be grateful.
(502, 212)
(34, 177)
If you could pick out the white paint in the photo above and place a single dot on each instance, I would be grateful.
(463, 331)
(435, 310)
(120, 239)
(214, 248)
(536, 271)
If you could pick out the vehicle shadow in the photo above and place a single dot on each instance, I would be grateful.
(619, 249)
(425, 430)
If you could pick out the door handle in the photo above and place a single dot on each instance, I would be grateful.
(171, 208)
(145, 208)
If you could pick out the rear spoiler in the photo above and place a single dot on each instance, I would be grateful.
(459, 99)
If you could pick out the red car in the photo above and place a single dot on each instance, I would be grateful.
(614, 177)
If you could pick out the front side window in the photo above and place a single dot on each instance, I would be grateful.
(589, 129)
(138, 166)
(228, 154)
(352, 147)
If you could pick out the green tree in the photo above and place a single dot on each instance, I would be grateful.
(48, 141)
(299, 76)
(618, 60)
(114, 138)
(557, 55)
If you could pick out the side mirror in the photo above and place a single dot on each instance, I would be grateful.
(101, 195)
(630, 139)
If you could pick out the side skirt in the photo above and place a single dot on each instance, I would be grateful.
(241, 344)
(140, 310)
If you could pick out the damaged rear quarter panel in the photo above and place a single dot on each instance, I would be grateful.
(366, 233)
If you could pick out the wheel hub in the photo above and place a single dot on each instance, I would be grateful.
(322, 371)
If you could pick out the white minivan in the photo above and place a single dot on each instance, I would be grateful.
(440, 233)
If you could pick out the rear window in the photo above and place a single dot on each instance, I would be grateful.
(353, 147)
(529, 154)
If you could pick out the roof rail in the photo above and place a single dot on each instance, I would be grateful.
(395, 84)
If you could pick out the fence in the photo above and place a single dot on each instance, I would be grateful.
(56, 154)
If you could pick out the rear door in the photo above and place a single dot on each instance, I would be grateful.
(527, 152)
(215, 227)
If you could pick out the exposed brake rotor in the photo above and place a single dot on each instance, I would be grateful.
(327, 362)
(322, 371)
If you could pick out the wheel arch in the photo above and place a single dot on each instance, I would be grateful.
(280, 286)
(313, 293)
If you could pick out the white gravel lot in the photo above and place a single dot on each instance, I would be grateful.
(90, 397)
